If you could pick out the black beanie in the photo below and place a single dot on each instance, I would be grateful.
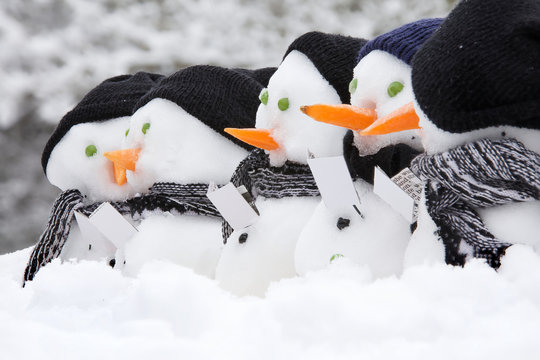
(481, 68)
(334, 56)
(260, 75)
(113, 98)
(216, 96)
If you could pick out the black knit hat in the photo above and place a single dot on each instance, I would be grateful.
(334, 56)
(113, 98)
(262, 75)
(482, 67)
(216, 96)
(404, 41)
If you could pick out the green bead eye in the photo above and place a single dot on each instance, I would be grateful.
(394, 88)
(264, 96)
(335, 256)
(145, 127)
(352, 85)
(90, 150)
(127, 132)
(283, 104)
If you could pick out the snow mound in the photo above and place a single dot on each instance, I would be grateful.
(85, 310)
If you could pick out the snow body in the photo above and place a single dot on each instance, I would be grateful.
(379, 237)
(178, 148)
(425, 244)
(268, 253)
(69, 167)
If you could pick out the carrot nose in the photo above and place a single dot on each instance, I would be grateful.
(404, 118)
(347, 116)
(261, 138)
(122, 160)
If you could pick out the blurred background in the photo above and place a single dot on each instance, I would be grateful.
(54, 51)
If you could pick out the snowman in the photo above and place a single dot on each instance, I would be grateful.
(480, 130)
(377, 235)
(174, 147)
(73, 161)
(316, 68)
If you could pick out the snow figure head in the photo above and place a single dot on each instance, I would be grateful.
(380, 85)
(470, 84)
(73, 157)
(316, 68)
(176, 133)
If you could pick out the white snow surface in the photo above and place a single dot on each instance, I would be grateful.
(88, 310)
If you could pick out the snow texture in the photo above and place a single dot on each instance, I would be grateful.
(88, 310)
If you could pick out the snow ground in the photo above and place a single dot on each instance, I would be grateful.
(87, 310)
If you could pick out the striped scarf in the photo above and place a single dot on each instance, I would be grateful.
(261, 179)
(164, 197)
(481, 174)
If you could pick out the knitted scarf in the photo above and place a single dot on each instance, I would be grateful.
(164, 197)
(261, 179)
(481, 174)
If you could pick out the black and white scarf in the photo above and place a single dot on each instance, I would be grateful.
(261, 179)
(164, 197)
(481, 174)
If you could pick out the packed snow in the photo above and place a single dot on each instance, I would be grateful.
(87, 310)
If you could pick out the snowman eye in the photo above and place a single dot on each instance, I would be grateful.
(283, 104)
(394, 88)
(145, 127)
(90, 150)
(264, 96)
(127, 132)
(352, 85)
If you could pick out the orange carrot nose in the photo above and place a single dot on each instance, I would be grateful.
(122, 160)
(261, 138)
(404, 118)
(347, 116)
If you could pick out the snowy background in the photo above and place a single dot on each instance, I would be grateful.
(54, 51)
